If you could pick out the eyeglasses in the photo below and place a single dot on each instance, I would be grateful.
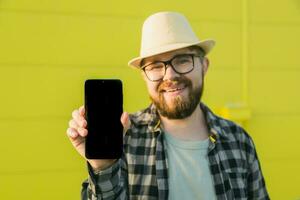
(181, 64)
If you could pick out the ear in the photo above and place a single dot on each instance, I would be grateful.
(205, 65)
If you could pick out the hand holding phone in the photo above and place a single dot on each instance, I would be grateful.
(77, 133)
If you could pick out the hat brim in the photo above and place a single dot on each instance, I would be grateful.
(206, 45)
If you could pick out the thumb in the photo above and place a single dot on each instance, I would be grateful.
(125, 121)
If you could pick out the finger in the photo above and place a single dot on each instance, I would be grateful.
(73, 124)
(75, 115)
(125, 121)
(81, 110)
(81, 122)
(72, 133)
(82, 131)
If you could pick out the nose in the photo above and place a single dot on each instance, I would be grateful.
(170, 73)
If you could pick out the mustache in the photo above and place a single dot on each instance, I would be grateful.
(175, 81)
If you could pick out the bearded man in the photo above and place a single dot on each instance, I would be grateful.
(177, 148)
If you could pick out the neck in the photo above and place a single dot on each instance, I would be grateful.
(193, 127)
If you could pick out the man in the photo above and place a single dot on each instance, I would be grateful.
(176, 148)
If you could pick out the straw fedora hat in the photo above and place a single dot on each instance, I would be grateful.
(167, 31)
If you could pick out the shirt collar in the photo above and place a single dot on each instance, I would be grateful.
(215, 124)
(150, 117)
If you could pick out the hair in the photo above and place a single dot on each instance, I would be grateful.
(199, 51)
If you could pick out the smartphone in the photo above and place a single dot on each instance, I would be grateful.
(104, 107)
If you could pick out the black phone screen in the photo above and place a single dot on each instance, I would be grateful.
(104, 107)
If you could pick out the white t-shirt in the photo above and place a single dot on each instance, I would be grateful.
(189, 174)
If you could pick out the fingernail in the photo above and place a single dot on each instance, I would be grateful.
(71, 133)
(81, 129)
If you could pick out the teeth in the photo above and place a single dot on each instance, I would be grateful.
(175, 89)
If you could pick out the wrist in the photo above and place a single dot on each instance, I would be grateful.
(98, 168)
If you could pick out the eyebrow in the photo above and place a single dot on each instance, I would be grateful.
(143, 60)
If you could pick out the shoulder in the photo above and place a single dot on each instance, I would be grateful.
(143, 122)
(141, 117)
(233, 131)
(237, 139)
(226, 129)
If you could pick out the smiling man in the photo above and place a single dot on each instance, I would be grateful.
(177, 148)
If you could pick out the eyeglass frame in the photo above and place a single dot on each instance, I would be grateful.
(169, 62)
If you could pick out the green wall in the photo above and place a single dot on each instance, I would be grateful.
(48, 48)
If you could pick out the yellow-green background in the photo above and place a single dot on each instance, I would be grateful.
(49, 47)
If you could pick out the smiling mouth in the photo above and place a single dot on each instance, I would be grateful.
(173, 89)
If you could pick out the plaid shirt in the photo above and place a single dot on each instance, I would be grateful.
(142, 172)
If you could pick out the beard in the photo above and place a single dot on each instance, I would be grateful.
(182, 108)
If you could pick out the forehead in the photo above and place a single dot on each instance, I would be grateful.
(167, 55)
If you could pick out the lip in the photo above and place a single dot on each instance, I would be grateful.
(173, 88)
(174, 91)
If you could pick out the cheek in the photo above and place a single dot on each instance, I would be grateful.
(152, 89)
(197, 78)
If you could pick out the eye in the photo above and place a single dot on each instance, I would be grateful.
(183, 59)
(154, 67)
